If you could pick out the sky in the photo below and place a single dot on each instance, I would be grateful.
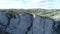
(29, 4)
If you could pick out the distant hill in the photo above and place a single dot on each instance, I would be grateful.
(40, 12)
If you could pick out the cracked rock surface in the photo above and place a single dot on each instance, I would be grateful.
(27, 24)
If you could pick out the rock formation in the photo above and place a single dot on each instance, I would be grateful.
(27, 24)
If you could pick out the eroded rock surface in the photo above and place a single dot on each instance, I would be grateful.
(49, 26)
(3, 19)
(38, 25)
(27, 24)
(13, 25)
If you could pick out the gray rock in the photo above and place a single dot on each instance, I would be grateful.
(13, 25)
(25, 23)
(20, 24)
(49, 26)
(42, 25)
(3, 18)
(1, 30)
(38, 25)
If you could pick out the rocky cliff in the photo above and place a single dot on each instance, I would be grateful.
(27, 24)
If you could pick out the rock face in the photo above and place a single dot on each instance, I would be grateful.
(21, 24)
(27, 24)
(3, 19)
(48, 26)
(42, 25)
(38, 25)
(13, 25)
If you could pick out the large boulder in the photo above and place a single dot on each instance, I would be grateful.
(22, 24)
(3, 20)
(26, 22)
(12, 27)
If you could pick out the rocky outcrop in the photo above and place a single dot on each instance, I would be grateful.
(27, 24)
(42, 25)
(3, 20)
(38, 25)
(12, 27)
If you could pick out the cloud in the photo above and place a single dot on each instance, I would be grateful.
(50, 4)
(27, 4)
(19, 4)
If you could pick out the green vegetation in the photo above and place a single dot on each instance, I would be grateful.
(39, 12)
